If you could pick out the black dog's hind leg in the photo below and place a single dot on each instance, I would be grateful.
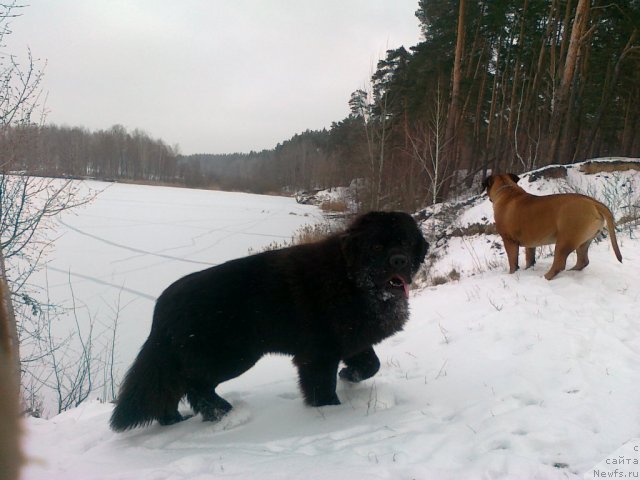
(361, 366)
(205, 401)
(318, 380)
(171, 418)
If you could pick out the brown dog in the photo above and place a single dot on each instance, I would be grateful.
(569, 220)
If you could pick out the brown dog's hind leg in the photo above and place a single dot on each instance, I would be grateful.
(583, 256)
(530, 255)
(511, 248)
(559, 260)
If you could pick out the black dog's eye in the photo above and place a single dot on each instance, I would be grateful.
(377, 248)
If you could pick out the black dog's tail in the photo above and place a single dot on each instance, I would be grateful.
(151, 390)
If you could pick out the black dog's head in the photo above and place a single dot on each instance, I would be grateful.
(384, 250)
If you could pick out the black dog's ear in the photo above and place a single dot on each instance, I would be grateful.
(422, 248)
(514, 177)
(486, 183)
(350, 244)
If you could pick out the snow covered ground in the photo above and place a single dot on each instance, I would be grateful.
(495, 376)
(113, 257)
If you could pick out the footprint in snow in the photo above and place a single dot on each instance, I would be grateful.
(289, 396)
(240, 415)
(367, 396)
(193, 429)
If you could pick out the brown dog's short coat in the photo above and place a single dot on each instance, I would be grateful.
(569, 220)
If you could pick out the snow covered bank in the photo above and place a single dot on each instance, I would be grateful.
(496, 375)
(466, 226)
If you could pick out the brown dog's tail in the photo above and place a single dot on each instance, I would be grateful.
(611, 227)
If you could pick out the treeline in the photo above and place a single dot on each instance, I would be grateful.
(77, 152)
(493, 85)
(527, 83)
(310, 160)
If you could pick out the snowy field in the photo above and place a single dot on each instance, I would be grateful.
(113, 257)
(495, 376)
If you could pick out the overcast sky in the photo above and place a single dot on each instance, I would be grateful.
(215, 76)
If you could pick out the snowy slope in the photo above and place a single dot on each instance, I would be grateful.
(460, 226)
(495, 376)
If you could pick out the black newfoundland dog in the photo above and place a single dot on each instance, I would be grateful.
(322, 303)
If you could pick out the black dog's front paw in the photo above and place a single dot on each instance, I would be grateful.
(321, 401)
(361, 366)
(350, 375)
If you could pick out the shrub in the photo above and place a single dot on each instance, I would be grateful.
(334, 206)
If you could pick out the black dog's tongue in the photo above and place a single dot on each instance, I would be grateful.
(406, 289)
(398, 282)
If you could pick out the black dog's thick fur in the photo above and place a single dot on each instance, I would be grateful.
(323, 303)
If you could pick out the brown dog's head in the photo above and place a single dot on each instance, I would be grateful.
(494, 183)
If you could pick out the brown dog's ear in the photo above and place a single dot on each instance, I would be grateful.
(486, 183)
(514, 177)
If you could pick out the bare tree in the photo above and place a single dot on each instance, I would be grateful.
(27, 204)
(61, 370)
(20, 91)
(428, 145)
(373, 111)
